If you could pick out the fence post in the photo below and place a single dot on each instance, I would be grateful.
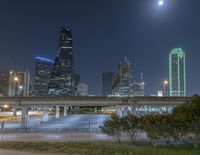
(89, 130)
(2, 127)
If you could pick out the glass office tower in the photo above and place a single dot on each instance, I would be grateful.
(63, 80)
(177, 73)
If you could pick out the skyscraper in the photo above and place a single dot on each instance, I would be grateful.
(177, 75)
(107, 78)
(62, 81)
(123, 84)
(42, 76)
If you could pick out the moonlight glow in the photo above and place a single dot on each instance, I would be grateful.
(161, 2)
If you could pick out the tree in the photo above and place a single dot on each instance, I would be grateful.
(130, 126)
(113, 127)
(152, 125)
(187, 117)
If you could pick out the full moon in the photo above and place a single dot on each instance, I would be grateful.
(161, 2)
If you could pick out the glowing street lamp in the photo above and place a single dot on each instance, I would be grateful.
(16, 78)
(5, 106)
(165, 83)
(16, 83)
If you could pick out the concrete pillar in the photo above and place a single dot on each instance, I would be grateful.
(14, 110)
(117, 110)
(120, 110)
(24, 117)
(133, 110)
(65, 110)
(45, 114)
(57, 111)
(95, 110)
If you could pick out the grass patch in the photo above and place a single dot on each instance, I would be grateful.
(98, 148)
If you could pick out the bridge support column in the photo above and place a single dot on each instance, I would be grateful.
(65, 110)
(126, 110)
(95, 110)
(14, 110)
(133, 110)
(24, 117)
(57, 111)
(45, 114)
(120, 111)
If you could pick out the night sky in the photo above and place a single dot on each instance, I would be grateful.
(104, 31)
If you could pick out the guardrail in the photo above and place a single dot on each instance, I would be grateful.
(51, 130)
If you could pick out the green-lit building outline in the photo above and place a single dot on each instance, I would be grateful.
(180, 54)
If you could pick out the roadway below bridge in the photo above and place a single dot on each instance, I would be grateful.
(84, 127)
(70, 122)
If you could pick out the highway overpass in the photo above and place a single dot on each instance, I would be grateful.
(91, 101)
(119, 102)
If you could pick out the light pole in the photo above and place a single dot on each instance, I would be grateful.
(165, 84)
(20, 90)
(16, 79)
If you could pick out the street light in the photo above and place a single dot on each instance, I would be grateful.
(5, 106)
(165, 83)
(16, 79)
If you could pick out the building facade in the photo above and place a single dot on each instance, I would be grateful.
(123, 84)
(4, 83)
(177, 73)
(82, 89)
(14, 83)
(107, 79)
(63, 79)
(42, 76)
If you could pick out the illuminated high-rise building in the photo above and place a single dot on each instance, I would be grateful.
(42, 76)
(63, 79)
(177, 73)
(123, 84)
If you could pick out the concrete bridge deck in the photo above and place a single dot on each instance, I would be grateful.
(122, 105)
(92, 101)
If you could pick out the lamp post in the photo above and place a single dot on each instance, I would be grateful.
(165, 83)
(16, 80)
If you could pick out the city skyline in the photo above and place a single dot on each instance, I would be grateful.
(100, 46)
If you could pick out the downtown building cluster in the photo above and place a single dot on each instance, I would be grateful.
(58, 77)
(52, 78)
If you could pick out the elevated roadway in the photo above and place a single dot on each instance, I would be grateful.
(91, 101)
(122, 104)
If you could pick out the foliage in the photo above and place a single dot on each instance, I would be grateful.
(152, 125)
(183, 124)
(130, 126)
(113, 127)
(187, 117)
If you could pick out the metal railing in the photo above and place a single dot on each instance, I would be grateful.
(51, 130)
